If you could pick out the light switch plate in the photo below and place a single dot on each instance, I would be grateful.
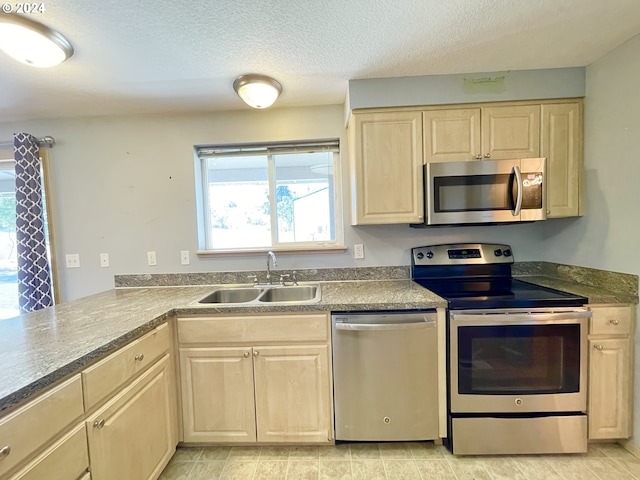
(185, 259)
(104, 260)
(151, 258)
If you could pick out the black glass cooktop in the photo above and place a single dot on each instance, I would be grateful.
(499, 293)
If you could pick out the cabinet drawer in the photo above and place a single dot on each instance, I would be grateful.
(247, 329)
(68, 458)
(33, 425)
(118, 368)
(611, 320)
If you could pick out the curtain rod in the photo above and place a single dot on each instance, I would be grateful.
(45, 142)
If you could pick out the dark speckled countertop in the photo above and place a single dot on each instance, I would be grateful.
(40, 348)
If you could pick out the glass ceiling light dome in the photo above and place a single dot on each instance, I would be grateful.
(257, 91)
(31, 42)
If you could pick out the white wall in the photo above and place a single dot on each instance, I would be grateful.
(125, 185)
(608, 236)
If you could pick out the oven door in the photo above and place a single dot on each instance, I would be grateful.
(518, 360)
(485, 192)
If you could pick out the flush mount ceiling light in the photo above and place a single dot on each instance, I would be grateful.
(257, 91)
(31, 42)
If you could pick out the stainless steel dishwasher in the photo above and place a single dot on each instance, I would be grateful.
(385, 376)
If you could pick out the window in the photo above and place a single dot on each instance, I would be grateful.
(284, 196)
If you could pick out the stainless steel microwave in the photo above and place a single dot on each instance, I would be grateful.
(486, 191)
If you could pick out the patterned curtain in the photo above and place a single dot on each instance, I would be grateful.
(34, 276)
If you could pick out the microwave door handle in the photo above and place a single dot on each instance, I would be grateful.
(516, 211)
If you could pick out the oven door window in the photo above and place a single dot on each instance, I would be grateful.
(519, 359)
(474, 193)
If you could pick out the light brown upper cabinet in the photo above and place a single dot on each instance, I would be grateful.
(561, 144)
(388, 147)
(386, 168)
(491, 132)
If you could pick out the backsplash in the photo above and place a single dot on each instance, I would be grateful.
(612, 281)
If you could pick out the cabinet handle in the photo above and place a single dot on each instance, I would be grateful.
(139, 357)
(614, 322)
(478, 157)
(487, 155)
(256, 353)
(246, 354)
(4, 452)
(98, 424)
(597, 346)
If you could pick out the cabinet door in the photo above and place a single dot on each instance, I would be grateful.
(132, 436)
(511, 132)
(562, 146)
(451, 135)
(609, 388)
(386, 168)
(293, 394)
(217, 395)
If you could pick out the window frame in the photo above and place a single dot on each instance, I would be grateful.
(269, 149)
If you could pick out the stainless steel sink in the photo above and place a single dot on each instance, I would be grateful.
(232, 295)
(300, 293)
(272, 294)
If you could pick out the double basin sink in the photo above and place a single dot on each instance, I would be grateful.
(266, 294)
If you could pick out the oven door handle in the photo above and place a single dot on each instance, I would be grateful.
(385, 326)
(492, 317)
(516, 211)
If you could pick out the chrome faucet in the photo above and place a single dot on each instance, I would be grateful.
(270, 256)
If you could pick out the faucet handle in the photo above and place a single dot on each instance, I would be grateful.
(294, 279)
(253, 278)
(283, 276)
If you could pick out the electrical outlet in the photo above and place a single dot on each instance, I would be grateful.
(72, 260)
(184, 257)
(358, 250)
(151, 258)
(104, 260)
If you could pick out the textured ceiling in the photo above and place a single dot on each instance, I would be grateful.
(168, 56)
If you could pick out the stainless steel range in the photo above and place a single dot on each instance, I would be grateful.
(516, 354)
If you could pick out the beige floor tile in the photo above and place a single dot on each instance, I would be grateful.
(608, 469)
(303, 470)
(275, 453)
(177, 471)
(503, 468)
(238, 469)
(397, 450)
(468, 468)
(368, 469)
(186, 454)
(631, 465)
(435, 469)
(397, 469)
(364, 451)
(572, 468)
(214, 453)
(427, 450)
(331, 469)
(210, 470)
(271, 470)
(536, 468)
(238, 453)
(340, 451)
(613, 450)
(304, 453)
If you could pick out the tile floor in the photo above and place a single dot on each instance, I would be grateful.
(401, 461)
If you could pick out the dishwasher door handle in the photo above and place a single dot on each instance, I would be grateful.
(384, 326)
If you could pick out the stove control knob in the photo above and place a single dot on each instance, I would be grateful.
(497, 253)
(507, 253)
(429, 254)
(419, 255)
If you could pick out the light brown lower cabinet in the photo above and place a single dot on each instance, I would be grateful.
(275, 389)
(610, 400)
(132, 435)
